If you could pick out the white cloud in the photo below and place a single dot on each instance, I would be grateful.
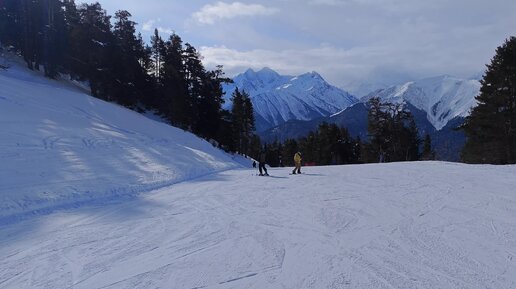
(327, 2)
(325, 59)
(151, 25)
(342, 67)
(147, 26)
(368, 40)
(210, 13)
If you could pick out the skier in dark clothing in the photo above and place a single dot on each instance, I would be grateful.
(254, 164)
(261, 165)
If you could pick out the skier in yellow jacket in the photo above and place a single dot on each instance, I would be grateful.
(297, 161)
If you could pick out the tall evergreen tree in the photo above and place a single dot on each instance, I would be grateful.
(158, 49)
(174, 82)
(428, 153)
(238, 116)
(195, 80)
(10, 23)
(54, 37)
(243, 121)
(491, 127)
(210, 104)
(393, 133)
(130, 77)
(84, 43)
(10, 28)
(74, 65)
(290, 147)
(30, 35)
(93, 45)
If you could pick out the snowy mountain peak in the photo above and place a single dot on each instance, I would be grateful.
(279, 98)
(443, 97)
(266, 75)
(311, 75)
(267, 70)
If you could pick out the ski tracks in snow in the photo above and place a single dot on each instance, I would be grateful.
(369, 229)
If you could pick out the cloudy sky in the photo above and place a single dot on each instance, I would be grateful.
(347, 41)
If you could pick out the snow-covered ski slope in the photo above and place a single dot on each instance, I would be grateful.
(405, 225)
(60, 147)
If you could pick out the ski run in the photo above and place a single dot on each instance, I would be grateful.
(96, 196)
(408, 225)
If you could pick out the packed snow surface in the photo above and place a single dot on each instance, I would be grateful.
(60, 147)
(95, 196)
(404, 225)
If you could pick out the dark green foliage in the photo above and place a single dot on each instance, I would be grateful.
(85, 43)
(95, 44)
(290, 147)
(10, 23)
(158, 51)
(173, 81)
(328, 145)
(491, 127)
(428, 153)
(393, 135)
(130, 77)
(54, 36)
(274, 154)
(36, 29)
(243, 124)
(255, 146)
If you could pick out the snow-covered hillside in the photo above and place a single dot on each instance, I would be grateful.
(277, 98)
(404, 225)
(60, 147)
(443, 98)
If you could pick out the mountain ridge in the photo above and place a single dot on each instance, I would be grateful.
(442, 97)
(279, 98)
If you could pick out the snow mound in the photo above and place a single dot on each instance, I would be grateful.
(60, 147)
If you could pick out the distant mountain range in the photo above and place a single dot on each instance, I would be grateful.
(289, 107)
(447, 141)
(439, 105)
(443, 98)
(280, 98)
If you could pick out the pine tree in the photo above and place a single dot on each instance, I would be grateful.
(409, 140)
(491, 127)
(93, 47)
(237, 114)
(195, 77)
(329, 144)
(210, 103)
(157, 48)
(73, 63)
(290, 147)
(130, 79)
(243, 121)
(54, 37)
(376, 149)
(29, 20)
(255, 146)
(174, 82)
(393, 133)
(428, 153)
(166, 77)
(11, 28)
